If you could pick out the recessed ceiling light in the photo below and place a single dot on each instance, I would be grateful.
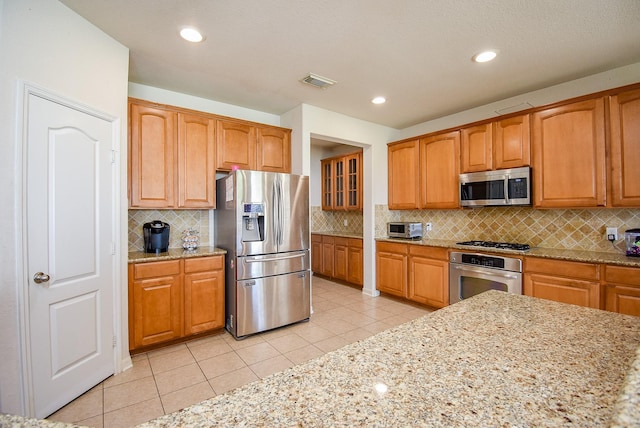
(379, 100)
(485, 56)
(190, 34)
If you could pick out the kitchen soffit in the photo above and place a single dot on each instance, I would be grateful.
(415, 52)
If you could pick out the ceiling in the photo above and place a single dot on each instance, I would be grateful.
(416, 53)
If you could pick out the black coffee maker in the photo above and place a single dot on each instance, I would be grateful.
(156, 237)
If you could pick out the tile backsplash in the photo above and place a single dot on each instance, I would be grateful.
(578, 229)
(336, 221)
(179, 220)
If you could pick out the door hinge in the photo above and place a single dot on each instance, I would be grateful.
(113, 156)
(113, 248)
(114, 341)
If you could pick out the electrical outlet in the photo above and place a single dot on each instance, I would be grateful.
(346, 222)
(612, 234)
(427, 226)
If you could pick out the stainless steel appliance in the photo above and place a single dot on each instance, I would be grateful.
(156, 236)
(406, 230)
(474, 273)
(499, 245)
(262, 220)
(495, 188)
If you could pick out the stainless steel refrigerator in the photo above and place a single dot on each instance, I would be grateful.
(262, 220)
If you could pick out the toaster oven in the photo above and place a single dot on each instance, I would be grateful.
(406, 230)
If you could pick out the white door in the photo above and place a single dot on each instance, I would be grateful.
(69, 194)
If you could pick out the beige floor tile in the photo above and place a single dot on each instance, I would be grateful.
(203, 351)
(244, 343)
(126, 394)
(301, 355)
(162, 363)
(324, 305)
(179, 378)
(86, 406)
(141, 368)
(258, 352)
(359, 319)
(182, 398)
(313, 333)
(287, 343)
(221, 364)
(167, 350)
(134, 414)
(270, 366)
(232, 380)
(94, 422)
(338, 326)
(331, 344)
(377, 327)
(356, 335)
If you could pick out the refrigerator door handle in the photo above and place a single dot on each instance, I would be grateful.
(274, 212)
(273, 259)
(280, 214)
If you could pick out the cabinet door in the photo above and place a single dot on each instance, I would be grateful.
(355, 274)
(274, 150)
(429, 275)
(327, 256)
(152, 154)
(157, 308)
(327, 184)
(511, 142)
(203, 301)
(235, 145)
(477, 148)
(339, 178)
(403, 175)
(341, 259)
(196, 162)
(440, 170)
(353, 163)
(569, 155)
(622, 289)
(625, 149)
(316, 253)
(391, 268)
(565, 290)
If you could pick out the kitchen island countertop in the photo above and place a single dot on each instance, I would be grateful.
(496, 359)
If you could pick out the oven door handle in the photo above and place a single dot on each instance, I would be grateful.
(499, 273)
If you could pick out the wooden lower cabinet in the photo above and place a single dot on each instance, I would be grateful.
(622, 289)
(429, 275)
(337, 257)
(567, 282)
(169, 300)
(391, 268)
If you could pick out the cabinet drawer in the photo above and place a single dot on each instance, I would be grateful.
(355, 243)
(429, 252)
(202, 264)
(156, 269)
(576, 270)
(622, 275)
(391, 247)
(341, 241)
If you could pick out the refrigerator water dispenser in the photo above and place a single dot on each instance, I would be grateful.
(253, 222)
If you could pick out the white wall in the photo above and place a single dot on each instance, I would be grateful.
(44, 43)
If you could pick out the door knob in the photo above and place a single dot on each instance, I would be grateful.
(40, 277)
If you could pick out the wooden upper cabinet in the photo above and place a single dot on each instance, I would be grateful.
(569, 155)
(339, 177)
(625, 149)
(353, 182)
(273, 150)
(152, 154)
(326, 166)
(342, 182)
(477, 148)
(196, 162)
(440, 170)
(511, 142)
(403, 175)
(235, 145)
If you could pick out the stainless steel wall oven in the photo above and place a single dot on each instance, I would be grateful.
(474, 273)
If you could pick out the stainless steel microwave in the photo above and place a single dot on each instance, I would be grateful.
(407, 230)
(503, 187)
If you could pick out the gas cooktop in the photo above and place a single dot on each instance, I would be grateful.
(500, 245)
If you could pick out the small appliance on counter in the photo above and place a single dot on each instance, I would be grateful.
(404, 230)
(632, 238)
(156, 237)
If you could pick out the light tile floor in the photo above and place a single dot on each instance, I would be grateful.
(171, 378)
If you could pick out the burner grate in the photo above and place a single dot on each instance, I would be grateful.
(500, 245)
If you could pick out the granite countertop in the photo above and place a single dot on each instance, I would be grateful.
(496, 359)
(173, 254)
(548, 253)
(339, 234)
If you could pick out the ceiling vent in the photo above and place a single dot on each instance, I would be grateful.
(318, 81)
